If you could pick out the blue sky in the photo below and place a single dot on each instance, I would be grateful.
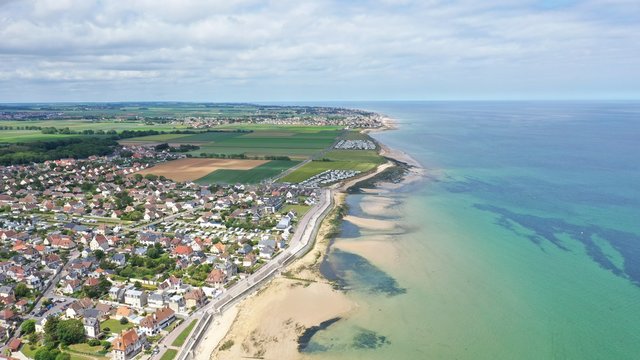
(246, 50)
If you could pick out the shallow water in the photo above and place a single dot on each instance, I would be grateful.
(525, 240)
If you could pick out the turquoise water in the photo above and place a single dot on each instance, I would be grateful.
(522, 243)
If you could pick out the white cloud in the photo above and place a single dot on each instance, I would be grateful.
(197, 48)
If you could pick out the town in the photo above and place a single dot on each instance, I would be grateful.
(122, 233)
(91, 245)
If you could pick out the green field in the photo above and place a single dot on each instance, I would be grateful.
(367, 156)
(182, 337)
(20, 135)
(265, 171)
(14, 136)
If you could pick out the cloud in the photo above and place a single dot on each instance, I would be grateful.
(251, 50)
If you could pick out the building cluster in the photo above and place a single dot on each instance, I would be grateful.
(355, 145)
(93, 240)
(329, 177)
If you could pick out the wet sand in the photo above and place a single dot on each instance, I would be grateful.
(371, 224)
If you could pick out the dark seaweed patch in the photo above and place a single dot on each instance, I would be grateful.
(349, 270)
(627, 244)
(367, 339)
(304, 340)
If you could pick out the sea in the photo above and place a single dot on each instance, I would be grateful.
(522, 241)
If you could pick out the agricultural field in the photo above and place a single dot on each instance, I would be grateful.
(16, 136)
(189, 169)
(265, 171)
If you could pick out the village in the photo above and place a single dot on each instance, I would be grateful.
(123, 258)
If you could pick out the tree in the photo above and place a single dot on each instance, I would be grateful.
(45, 353)
(51, 330)
(99, 254)
(28, 326)
(70, 331)
(21, 290)
(124, 321)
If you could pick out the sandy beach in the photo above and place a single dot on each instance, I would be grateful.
(269, 322)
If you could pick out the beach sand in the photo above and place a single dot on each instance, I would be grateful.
(269, 322)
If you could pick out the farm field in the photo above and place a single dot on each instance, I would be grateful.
(368, 156)
(189, 169)
(16, 136)
(80, 125)
(267, 170)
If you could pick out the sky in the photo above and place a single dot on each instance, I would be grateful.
(248, 50)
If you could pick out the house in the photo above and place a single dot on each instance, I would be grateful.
(71, 286)
(119, 259)
(14, 344)
(6, 291)
(123, 312)
(195, 298)
(128, 345)
(249, 260)
(135, 298)
(284, 223)
(158, 320)
(117, 293)
(91, 327)
(216, 278)
(176, 303)
(99, 242)
(156, 300)
(77, 308)
(6, 317)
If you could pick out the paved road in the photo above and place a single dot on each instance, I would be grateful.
(305, 230)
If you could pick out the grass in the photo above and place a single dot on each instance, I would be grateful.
(170, 354)
(300, 210)
(367, 156)
(14, 136)
(182, 337)
(265, 171)
(26, 350)
(86, 348)
(115, 326)
(316, 167)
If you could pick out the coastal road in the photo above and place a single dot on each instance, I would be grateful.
(305, 231)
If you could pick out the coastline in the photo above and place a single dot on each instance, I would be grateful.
(268, 323)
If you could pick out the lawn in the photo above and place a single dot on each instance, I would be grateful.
(299, 210)
(170, 354)
(182, 337)
(262, 172)
(115, 326)
(26, 350)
